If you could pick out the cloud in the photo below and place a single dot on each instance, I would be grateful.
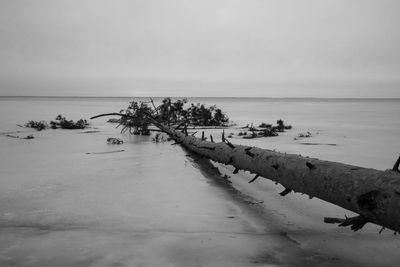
(164, 46)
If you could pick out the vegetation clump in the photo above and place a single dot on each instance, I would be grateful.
(265, 125)
(63, 123)
(171, 113)
(38, 125)
(59, 122)
(196, 114)
(114, 141)
(303, 135)
(281, 127)
(136, 120)
(268, 132)
(265, 130)
(159, 138)
(29, 136)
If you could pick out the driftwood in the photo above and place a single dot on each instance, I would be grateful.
(105, 152)
(316, 144)
(373, 194)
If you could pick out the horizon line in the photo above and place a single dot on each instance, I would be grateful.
(246, 97)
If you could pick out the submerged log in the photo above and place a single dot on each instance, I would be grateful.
(373, 194)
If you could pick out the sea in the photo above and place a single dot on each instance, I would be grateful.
(68, 198)
(371, 127)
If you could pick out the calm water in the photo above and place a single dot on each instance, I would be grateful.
(151, 205)
(367, 124)
(369, 113)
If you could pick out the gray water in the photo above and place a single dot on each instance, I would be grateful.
(150, 204)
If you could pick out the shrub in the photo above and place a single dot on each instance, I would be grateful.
(38, 125)
(170, 112)
(265, 125)
(63, 123)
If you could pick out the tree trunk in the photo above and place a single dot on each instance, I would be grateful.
(373, 194)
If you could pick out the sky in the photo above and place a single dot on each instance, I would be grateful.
(247, 48)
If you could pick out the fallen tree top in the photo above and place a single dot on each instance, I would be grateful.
(373, 194)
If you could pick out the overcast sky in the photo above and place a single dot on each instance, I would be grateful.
(270, 48)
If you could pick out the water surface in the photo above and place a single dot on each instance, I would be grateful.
(154, 205)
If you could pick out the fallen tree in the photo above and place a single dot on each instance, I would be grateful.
(373, 194)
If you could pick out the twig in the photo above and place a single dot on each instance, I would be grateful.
(226, 141)
(152, 102)
(249, 153)
(285, 192)
(333, 220)
(317, 144)
(229, 144)
(18, 137)
(310, 165)
(111, 114)
(106, 152)
(149, 119)
(255, 178)
(185, 130)
(92, 131)
(356, 222)
(12, 136)
(5, 133)
(179, 125)
(396, 165)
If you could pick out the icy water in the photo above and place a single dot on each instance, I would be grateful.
(67, 198)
